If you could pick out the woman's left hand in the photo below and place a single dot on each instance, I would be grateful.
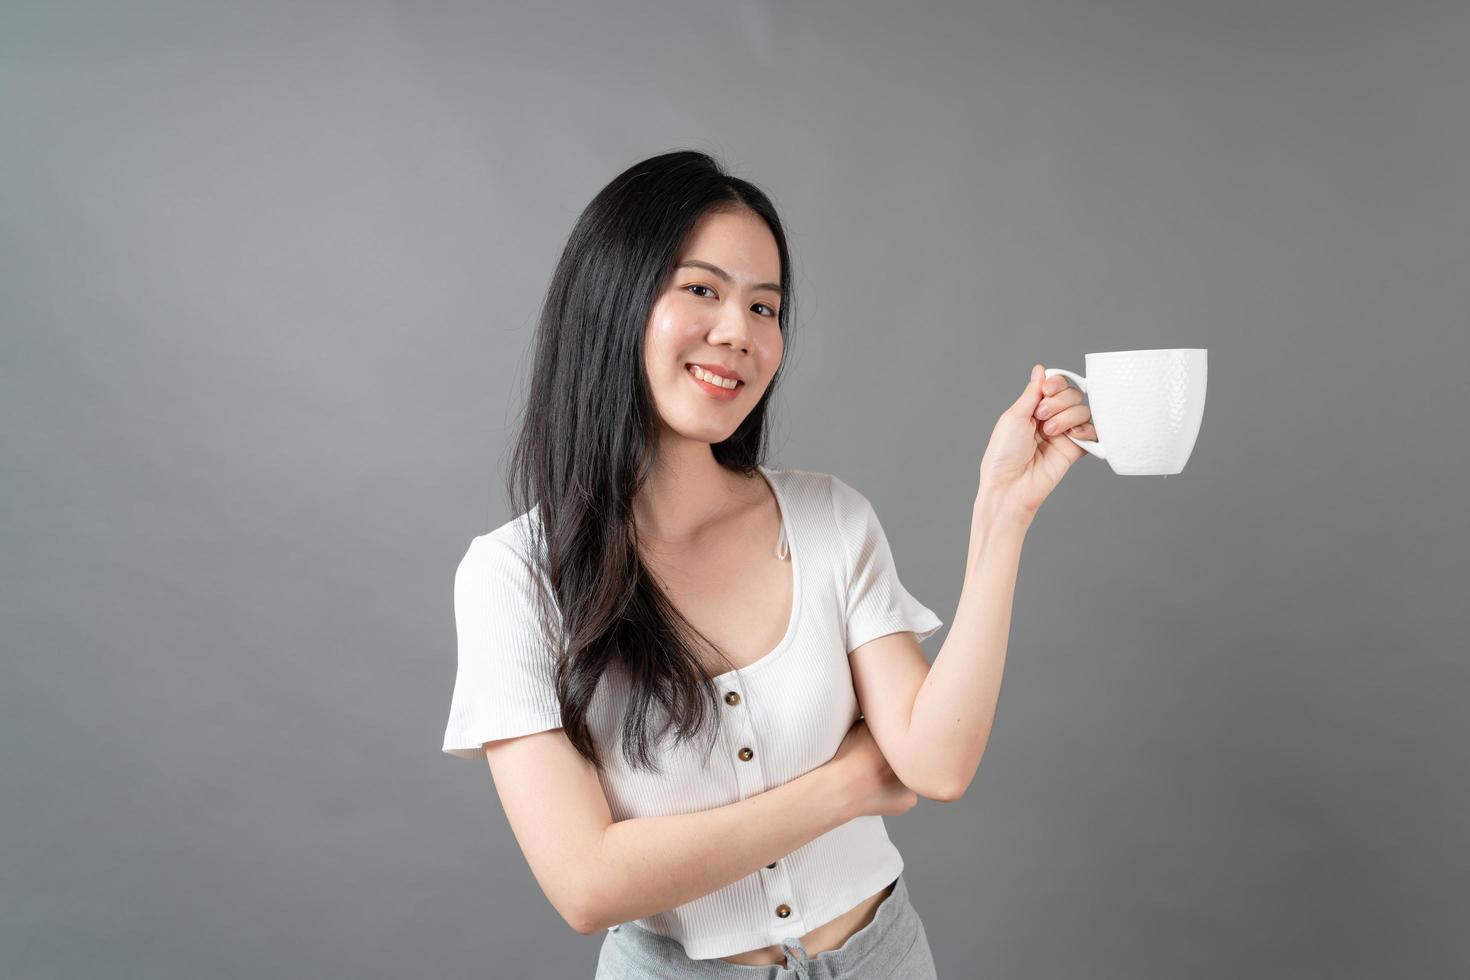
(1029, 451)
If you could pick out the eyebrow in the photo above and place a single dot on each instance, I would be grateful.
(696, 263)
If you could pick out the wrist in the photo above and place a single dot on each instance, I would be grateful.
(840, 787)
(994, 512)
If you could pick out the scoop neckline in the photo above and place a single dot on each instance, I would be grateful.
(792, 552)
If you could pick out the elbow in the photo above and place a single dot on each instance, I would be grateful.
(941, 787)
(951, 787)
(598, 901)
(583, 898)
(584, 915)
(584, 927)
(940, 792)
(595, 907)
(583, 920)
(951, 792)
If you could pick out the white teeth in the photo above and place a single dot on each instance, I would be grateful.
(713, 379)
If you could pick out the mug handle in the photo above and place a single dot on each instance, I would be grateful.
(1095, 448)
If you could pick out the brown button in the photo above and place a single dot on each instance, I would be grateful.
(746, 755)
(783, 910)
(771, 865)
(732, 697)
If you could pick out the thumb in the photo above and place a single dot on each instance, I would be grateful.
(1026, 404)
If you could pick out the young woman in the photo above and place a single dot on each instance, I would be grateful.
(696, 678)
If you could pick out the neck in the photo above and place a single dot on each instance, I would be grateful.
(686, 493)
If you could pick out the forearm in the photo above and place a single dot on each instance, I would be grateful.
(953, 711)
(652, 864)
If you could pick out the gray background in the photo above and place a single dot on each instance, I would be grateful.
(269, 278)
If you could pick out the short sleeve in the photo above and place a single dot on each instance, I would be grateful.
(877, 602)
(504, 682)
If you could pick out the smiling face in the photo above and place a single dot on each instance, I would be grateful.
(718, 308)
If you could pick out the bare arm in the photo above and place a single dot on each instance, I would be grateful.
(597, 873)
(651, 864)
(955, 706)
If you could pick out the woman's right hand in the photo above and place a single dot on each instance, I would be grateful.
(875, 787)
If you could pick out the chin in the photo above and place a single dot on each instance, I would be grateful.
(699, 433)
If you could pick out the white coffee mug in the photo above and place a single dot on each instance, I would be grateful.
(1147, 406)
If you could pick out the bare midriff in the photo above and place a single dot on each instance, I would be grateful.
(827, 936)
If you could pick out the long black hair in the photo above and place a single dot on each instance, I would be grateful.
(589, 439)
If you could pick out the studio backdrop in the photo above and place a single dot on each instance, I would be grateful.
(269, 275)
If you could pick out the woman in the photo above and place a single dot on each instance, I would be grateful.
(661, 583)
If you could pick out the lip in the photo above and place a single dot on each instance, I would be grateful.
(715, 391)
(719, 369)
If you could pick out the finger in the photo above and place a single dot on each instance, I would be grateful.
(1054, 384)
(1061, 448)
(1065, 419)
(1055, 403)
(1027, 402)
(1057, 383)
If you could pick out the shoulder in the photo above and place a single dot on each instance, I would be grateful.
(499, 588)
(503, 555)
(847, 500)
(840, 499)
(824, 492)
(829, 507)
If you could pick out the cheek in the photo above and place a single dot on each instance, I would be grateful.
(657, 341)
(768, 350)
(662, 331)
(662, 345)
(669, 334)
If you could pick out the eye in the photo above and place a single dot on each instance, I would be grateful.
(695, 285)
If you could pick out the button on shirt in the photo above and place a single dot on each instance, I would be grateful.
(783, 715)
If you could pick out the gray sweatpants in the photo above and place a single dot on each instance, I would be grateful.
(893, 945)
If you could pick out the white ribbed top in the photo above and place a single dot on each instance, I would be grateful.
(796, 704)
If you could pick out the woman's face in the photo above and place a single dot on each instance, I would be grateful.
(717, 309)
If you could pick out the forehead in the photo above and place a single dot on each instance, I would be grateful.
(737, 241)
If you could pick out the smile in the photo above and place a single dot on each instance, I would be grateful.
(713, 390)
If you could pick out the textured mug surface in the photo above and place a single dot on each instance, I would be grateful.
(1146, 405)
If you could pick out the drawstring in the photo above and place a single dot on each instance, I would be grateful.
(782, 550)
(803, 972)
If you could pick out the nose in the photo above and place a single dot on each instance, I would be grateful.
(731, 328)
